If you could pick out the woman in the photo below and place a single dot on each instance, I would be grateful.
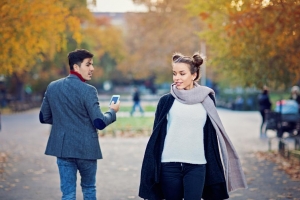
(264, 107)
(182, 157)
(295, 95)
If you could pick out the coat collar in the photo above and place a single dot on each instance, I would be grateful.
(78, 75)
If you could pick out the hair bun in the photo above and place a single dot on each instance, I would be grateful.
(176, 56)
(197, 59)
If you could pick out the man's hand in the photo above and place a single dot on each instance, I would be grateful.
(115, 106)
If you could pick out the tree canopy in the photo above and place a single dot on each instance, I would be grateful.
(254, 42)
(152, 37)
(36, 37)
(32, 30)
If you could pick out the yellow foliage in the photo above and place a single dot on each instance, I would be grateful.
(256, 40)
(31, 30)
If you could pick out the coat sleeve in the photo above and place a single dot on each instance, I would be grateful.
(147, 181)
(45, 115)
(100, 120)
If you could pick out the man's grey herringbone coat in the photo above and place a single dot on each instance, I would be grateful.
(73, 109)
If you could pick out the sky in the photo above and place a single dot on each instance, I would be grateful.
(117, 6)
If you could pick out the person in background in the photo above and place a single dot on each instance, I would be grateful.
(182, 158)
(71, 106)
(136, 102)
(239, 102)
(264, 104)
(295, 95)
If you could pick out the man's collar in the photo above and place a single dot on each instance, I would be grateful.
(78, 75)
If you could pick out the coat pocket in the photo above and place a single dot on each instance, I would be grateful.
(55, 143)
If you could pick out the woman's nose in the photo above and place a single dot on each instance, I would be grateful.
(176, 77)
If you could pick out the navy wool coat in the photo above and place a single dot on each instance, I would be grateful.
(215, 184)
(72, 108)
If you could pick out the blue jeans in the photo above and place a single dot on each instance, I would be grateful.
(180, 180)
(68, 176)
(135, 105)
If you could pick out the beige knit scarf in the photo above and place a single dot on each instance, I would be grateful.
(234, 174)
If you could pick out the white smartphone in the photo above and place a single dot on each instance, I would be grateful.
(115, 98)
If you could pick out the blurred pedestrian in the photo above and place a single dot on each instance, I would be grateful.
(182, 158)
(295, 95)
(264, 104)
(136, 102)
(250, 103)
(71, 106)
(239, 102)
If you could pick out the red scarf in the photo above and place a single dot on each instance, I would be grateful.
(77, 74)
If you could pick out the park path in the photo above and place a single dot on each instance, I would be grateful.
(31, 175)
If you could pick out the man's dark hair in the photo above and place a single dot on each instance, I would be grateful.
(77, 57)
(265, 91)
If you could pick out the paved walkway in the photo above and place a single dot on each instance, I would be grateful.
(30, 175)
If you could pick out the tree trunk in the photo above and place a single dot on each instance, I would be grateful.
(19, 93)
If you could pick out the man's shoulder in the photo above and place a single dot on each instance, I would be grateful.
(80, 84)
(56, 82)
(88, 86)
(87, 89)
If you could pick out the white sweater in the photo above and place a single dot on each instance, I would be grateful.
(184, 140)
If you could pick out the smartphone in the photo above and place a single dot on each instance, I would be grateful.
(115, 98)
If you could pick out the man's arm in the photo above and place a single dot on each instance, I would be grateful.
(100, 120)
(45, 112)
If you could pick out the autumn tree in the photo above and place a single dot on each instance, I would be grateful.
(152, 37)
(32, 31)
(107, 44)
(254, 42)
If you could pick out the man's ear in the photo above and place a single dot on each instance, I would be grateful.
(76, 67)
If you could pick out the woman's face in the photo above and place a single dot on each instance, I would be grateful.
(182, 76)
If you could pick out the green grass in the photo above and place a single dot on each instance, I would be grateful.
(132, 125)
(147, 108)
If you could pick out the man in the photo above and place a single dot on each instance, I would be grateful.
(71, 106)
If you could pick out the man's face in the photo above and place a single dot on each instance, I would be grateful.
(85, 69)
